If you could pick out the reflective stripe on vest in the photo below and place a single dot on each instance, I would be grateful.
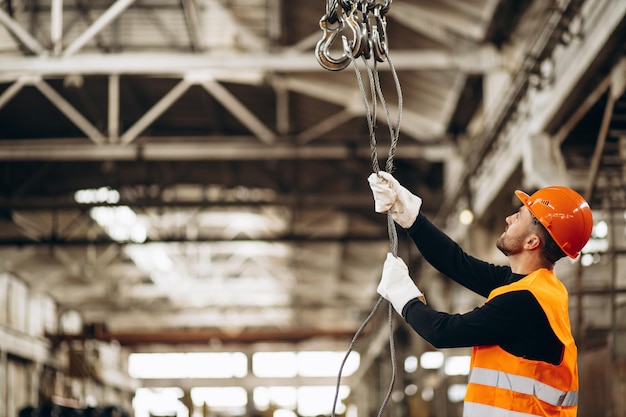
(523, 385)
(476, 409)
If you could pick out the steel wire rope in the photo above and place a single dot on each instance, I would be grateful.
(331, 10)
(394, 130)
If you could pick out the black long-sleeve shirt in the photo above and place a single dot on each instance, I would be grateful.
(515, 321)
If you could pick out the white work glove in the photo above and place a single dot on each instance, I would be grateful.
(389, 195)
(396, 286)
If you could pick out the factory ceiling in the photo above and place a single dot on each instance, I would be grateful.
(185, 171)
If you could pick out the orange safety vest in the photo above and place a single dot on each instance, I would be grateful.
(502, 384)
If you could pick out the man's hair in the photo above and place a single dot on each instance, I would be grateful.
(550, 250)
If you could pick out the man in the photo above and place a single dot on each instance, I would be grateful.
(524, 356)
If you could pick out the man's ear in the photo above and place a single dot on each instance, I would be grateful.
(532, 241)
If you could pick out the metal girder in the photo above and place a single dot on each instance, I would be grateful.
(158, 109)
(411, 17)
(194, 27)
(248, 382)
(21, 34)
(58, 101)
(596, 159)
(103, 21)
(139, 338)
(56, 25)
(249, 40)
(104, 243)
(422, 19)
(12, 91)
(414, 124)
(70, 111)
(326, 126)
(484, 59)
(239, 110)
(159, 318)
(188, 149)
(113, 125)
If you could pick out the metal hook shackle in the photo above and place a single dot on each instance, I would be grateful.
(378, 36)
(357, 20)
(365, 41)
(358, 45)
(322, 49)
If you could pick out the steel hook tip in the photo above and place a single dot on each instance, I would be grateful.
(327, 61)
(358, 26)
(322, 52)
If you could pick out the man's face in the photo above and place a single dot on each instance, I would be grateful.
(518, 227)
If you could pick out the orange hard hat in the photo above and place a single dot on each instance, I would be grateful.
(564, 213)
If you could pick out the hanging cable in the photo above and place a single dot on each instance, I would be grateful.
(367, 40)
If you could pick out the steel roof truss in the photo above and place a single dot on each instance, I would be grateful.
(112, 13)
(239, 110)
(69, 111)
(10, 92)
(191, 12)
(158, 109)
(25, 38)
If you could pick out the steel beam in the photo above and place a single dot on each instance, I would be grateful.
(103, 21)
(248, 382)
(169, 337)
(113, 124)
(158, 109)
(188, 149)
(12, 91)
(239, 111)
(483, 60)
(107, 242)
(22, 35)
(70, 111)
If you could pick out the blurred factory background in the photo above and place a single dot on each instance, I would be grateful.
(186, 227)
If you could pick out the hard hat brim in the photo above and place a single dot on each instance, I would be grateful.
(522, 196)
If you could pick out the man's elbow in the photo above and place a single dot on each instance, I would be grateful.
(437, 340)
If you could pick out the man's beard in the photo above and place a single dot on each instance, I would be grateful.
(509, 246)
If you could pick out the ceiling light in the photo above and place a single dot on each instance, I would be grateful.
(410, 364)
(601, 229)
(586, 259)
(431, 360)
(97, 196)
(466, 217)
(456, 392)
(120, 223)
(457, 365)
